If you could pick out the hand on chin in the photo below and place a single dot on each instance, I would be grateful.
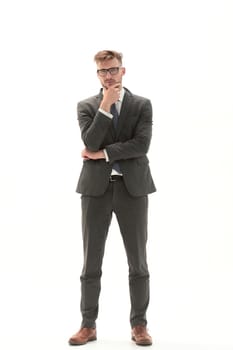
(109, 83)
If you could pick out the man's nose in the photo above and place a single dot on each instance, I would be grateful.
(108, 74)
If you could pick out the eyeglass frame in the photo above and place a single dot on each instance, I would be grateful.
(106, 71)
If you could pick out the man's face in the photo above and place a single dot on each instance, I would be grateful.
(113, 77)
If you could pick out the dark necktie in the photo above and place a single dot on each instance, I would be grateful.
(115, 114)
(115, 120)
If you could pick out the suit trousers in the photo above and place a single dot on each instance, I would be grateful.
(131, 213)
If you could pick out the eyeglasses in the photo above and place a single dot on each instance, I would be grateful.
(112, 71)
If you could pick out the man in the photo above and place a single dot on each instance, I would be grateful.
(116, 128)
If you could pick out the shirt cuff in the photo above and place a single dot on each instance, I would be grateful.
(106, 155)
(106, 113)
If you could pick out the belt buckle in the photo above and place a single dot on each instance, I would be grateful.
(111, 179)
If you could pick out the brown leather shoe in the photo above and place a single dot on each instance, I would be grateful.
(141, 336)
(83, 336)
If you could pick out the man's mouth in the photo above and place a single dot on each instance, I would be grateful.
(109, 82)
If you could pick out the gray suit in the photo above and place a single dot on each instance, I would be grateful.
(127, 198)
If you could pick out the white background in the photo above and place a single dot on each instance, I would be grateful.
(177, 53)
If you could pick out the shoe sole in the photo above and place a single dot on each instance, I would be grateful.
(91, 339)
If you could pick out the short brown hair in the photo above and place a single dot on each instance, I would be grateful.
(106, 55)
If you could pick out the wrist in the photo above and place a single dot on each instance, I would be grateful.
(101, 154)
(105, 106)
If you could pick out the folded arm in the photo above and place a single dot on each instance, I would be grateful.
(94, 131)
(139, 144)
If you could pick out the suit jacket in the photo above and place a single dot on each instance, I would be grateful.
(128, 145)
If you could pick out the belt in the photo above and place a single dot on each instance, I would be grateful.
(114, 178)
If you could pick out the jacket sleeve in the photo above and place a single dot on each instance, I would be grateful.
(94, 126)
(137, 146)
